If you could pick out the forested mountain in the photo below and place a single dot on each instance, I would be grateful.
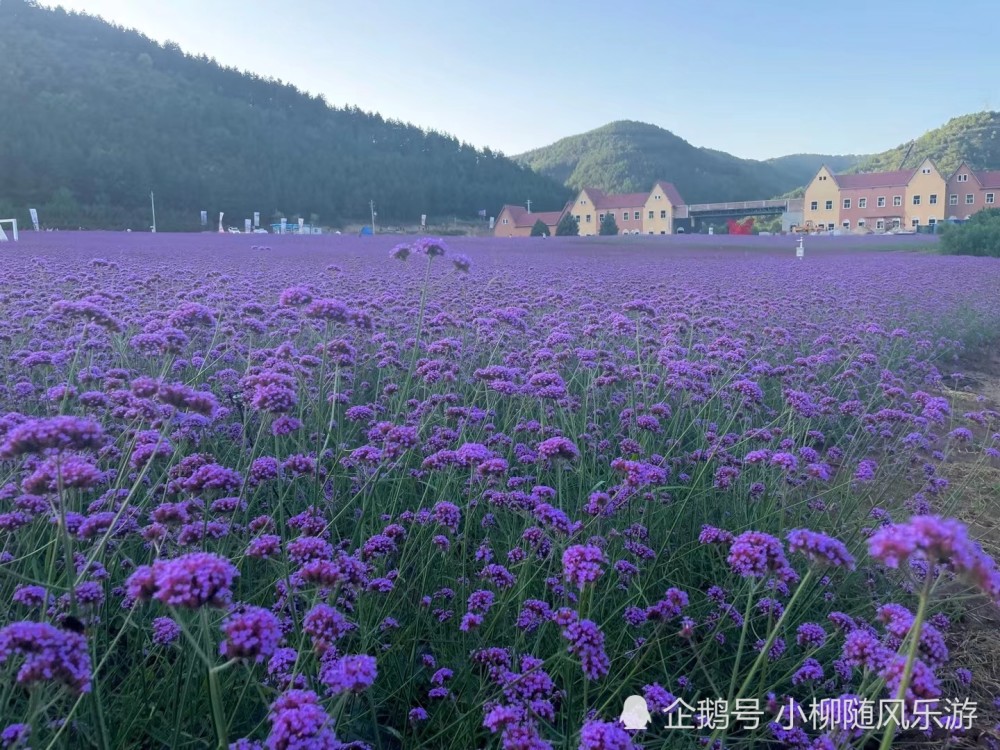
(94, 117)
(630, 156)
(973, 138)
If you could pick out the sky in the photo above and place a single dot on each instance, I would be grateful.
(756, 79)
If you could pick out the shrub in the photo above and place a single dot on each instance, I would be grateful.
(980, 235)
(568, 226)
(540, 229)
(608, 225)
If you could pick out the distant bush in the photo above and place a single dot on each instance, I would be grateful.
(608, 225)
(980, 235)
(568, 226)
(540, 229)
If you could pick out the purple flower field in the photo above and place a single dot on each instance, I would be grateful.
(340, 492)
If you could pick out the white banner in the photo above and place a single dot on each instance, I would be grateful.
(423, 220)
(302, 223)
(491, 222)
(246, 226)
(284, 224)
(204, 218)
(34, 218)
(256, 219)
(221, 214)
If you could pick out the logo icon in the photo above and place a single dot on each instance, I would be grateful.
(635, 714)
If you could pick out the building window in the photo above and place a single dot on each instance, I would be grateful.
(830, 226)
(916, 200)
(926, 170)
(880, 225)
(861, 223)
(880, 201)
(814, 205)
(847, 203)
(829, 205)
(970, 198)
(914, 222)
(588, 218)
(933, 199)
(600, 217)
(953, 199)
(963, 178)
(897, 200)
(651, 216)
(932, 221)
(846, 224)
(895, 223)
(637, 216)
(504, 221)
(991, 198)
(862, 203)
(663, 214)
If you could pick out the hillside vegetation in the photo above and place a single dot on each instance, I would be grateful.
(973, 138)
(105, 115)
(630, 156)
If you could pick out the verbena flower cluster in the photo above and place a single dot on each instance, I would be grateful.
(309, 497)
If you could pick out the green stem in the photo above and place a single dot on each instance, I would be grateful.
(911, 658)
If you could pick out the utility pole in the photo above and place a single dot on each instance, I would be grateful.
(152, 204)
(371, 205)
(529, 205)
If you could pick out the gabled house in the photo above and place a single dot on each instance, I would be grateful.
(970, 191)
(876, 201)
(652, 212)
(517, 221)
(663, 205)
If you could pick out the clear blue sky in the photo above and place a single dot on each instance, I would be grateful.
(757, 79)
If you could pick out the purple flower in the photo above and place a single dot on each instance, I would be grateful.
(820, 548)
(349, 674)
(936, 540)
(325, 626)
(165, 631)
(49, 654)
(582, 564)
(298, 722)
(586, 641)
(810, 671)
(52, 433)
(810, 635)
(558, 448)
(252, 633)
(191, 581)
(604, 735)
(754, 554)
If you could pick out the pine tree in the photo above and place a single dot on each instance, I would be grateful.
(608, 225)
(568, 226)
(540, 229)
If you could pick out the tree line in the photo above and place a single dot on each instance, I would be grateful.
(95, 117)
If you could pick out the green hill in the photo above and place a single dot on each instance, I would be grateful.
(973, 138)
(629, 156)
(104, 115)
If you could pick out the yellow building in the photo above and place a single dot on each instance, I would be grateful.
(821, 206)
(584, 210)
(926, 196)
(875, 201)
(634, 213)
(661, 209)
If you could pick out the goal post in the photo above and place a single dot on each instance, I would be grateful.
(13, 229)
